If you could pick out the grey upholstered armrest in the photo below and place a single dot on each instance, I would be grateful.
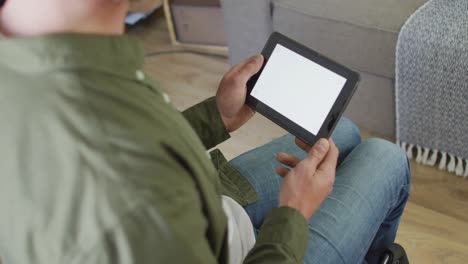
(248, 26)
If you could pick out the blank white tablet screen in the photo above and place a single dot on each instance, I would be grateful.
(298, 88)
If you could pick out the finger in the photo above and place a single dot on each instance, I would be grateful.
(244, 62)
(303, 145)
(236, 78)
(288, 159)
(330, 161)
(242, 72)
(236, 68)
(318, 153)
(282, 171)
(251, 68)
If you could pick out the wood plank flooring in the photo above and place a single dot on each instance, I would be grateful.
(434, 228)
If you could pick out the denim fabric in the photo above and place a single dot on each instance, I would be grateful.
(361, 215)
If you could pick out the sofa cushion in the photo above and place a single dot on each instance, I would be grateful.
(361, 34)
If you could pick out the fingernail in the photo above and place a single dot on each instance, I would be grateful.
(255, 58)
(323, 145)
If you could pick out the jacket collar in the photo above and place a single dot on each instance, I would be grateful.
(111, 54)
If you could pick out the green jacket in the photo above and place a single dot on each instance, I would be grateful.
(97, 167)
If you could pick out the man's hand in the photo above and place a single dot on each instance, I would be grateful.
(232, 93)
(311, 180)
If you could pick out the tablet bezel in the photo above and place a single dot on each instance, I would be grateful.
(352, 79)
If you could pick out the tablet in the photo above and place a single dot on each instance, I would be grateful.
(300, 90)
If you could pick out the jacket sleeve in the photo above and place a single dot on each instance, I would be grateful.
(282, 239)
(206, 121)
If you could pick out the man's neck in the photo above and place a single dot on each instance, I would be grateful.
(111, 27)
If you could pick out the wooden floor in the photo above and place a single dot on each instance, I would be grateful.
(434, 228)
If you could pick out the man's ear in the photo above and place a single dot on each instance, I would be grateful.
(2, 34)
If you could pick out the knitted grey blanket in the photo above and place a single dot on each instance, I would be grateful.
(432, 85)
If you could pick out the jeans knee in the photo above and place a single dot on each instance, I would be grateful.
(346, 136)
(393, 157)
(351, 129)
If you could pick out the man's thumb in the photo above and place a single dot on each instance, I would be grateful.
(318, 151)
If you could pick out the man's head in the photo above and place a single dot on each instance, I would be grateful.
(39, 17)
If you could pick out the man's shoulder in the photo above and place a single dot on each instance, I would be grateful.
(76, 150)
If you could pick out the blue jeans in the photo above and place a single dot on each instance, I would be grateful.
(361, 215)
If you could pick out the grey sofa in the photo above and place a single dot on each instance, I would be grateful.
(361, 34)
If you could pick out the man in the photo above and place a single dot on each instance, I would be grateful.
(98, 167)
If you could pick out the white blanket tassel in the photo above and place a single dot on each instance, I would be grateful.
(451, 164)
(459, 169)
(409, 153)
(418, 154)
(425, 156)
(403, 146)
(433, 159)
(443, 161)
(429, 157)
(466, 169)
